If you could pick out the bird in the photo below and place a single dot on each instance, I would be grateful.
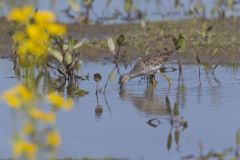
(147, 65)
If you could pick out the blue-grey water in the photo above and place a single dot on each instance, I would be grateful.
(155, 10)
(211, 111)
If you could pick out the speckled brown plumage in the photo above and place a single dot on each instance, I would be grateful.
(147, 65)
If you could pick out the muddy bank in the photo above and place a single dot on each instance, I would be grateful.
(213, 40)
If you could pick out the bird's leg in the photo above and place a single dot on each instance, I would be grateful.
(168, 79)
(152, 79)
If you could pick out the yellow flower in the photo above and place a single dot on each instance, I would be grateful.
(33, 39)
(23, 92)
(21, 147)
(58, 101)
(11, 99)
(55, 99)
(34, 31)
(21, 15)
(37, 114)
(53, 139)
(18, 37)
(28, 128)
(32, 48)
(44, 17)
(16, 96)
(68, 104)
(56, 29)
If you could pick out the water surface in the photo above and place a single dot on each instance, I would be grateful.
(211, 111)
(155, 10)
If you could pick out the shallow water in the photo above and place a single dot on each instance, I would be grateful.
(211, 111)
(155, 9)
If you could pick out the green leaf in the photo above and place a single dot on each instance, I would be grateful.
(109, 2)
(177, 136)
(70, 43)
(65, 47)
(181, 42)
(175, 42)
(128, 4)
(176, 109)
(98, 110)
(80, 92)
(74, 5)
(168, 104)
(87, 3)
(143, 23)
(111, 45)
(230, 4)
(97, 77)
(56, 54)
(111, 75)
(201, 147)
(169, 141)
(238, 137)
(79, 44)
(1, 4)
(120, 39)
(177, 4)
(78, 64)
(67, 58)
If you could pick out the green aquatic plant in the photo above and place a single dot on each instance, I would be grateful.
(231, 153)
(180, 42)
(177, 124)
(205, 35)
(111, 44)
(97, 78)
(63, 53)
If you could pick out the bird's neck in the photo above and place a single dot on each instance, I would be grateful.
(131, 75)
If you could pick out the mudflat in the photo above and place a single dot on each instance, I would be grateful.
(214, 41)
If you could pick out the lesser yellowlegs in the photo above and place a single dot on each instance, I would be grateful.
(148, 65)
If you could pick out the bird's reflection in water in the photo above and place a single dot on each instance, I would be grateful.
(147, 103)
(155, 105)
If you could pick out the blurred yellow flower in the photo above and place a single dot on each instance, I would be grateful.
(55, 99)
(56, 29)
(29, 47)
(34, 38)
(11, 99)
(21, 15)
(58, 101)
(28, 128)
(44, 17)
(23, 92)
(19, 36)
(68, 104)
(37, 114)
(34, 31)
(16, 96)
(53, 139)
(24, 148)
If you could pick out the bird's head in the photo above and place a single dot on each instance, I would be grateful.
(123, 79)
